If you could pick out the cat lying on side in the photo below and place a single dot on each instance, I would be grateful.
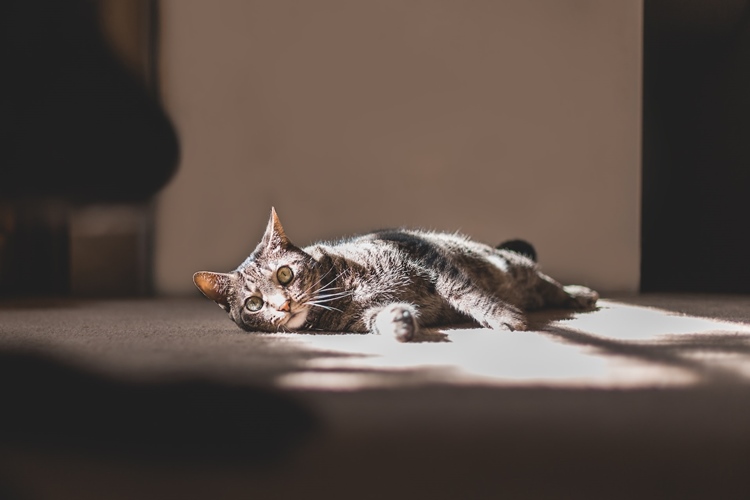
(389, 282)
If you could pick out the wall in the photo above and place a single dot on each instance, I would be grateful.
(498, 119)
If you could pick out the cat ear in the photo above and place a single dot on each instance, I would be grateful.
(215, 286)
(274, 235)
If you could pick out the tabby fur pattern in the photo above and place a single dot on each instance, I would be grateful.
(391, 282)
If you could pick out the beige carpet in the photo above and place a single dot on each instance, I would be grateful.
(646, 397)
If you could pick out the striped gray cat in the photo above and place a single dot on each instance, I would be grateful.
(389, 282)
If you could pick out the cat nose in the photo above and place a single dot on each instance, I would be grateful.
(284, 307)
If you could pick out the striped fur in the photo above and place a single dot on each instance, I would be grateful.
(392, 282)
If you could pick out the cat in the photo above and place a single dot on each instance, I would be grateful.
(392, 282)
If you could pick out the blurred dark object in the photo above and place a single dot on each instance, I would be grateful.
(696, 146)
(34, 248)
(51, 406)
(84, 146)
(74, 122)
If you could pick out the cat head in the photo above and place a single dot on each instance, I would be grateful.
(271, 289)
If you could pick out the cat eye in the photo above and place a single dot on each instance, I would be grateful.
(254, 303)
(285, 275)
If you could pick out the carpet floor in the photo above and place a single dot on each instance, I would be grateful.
(647, 397)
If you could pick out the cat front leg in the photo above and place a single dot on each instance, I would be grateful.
(397, 319)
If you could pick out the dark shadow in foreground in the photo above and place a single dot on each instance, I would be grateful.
(48, 405)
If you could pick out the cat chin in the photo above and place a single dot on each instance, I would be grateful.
(297, 320)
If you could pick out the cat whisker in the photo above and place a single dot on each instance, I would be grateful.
(336, 295)
(324, 300)
(327, 285)
(304, 299)
(318, 300)
(330, 288)
(322, 278)
(317, 282)
(328, 308)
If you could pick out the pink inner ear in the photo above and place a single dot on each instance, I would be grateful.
(212, 285)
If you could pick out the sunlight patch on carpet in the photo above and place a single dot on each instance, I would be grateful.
(619, 345)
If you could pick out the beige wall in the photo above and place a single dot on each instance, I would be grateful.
(496, 118)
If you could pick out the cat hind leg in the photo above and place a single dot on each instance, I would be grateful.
(550, 293)
(500, 316)
(487, 310)
(581, 297)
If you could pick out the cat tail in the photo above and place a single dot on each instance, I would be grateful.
(522, 247)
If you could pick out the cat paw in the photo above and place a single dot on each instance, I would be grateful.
(581, 297)
(506, 322)
(398, 320)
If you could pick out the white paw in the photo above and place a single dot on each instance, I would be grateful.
(398, 320)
